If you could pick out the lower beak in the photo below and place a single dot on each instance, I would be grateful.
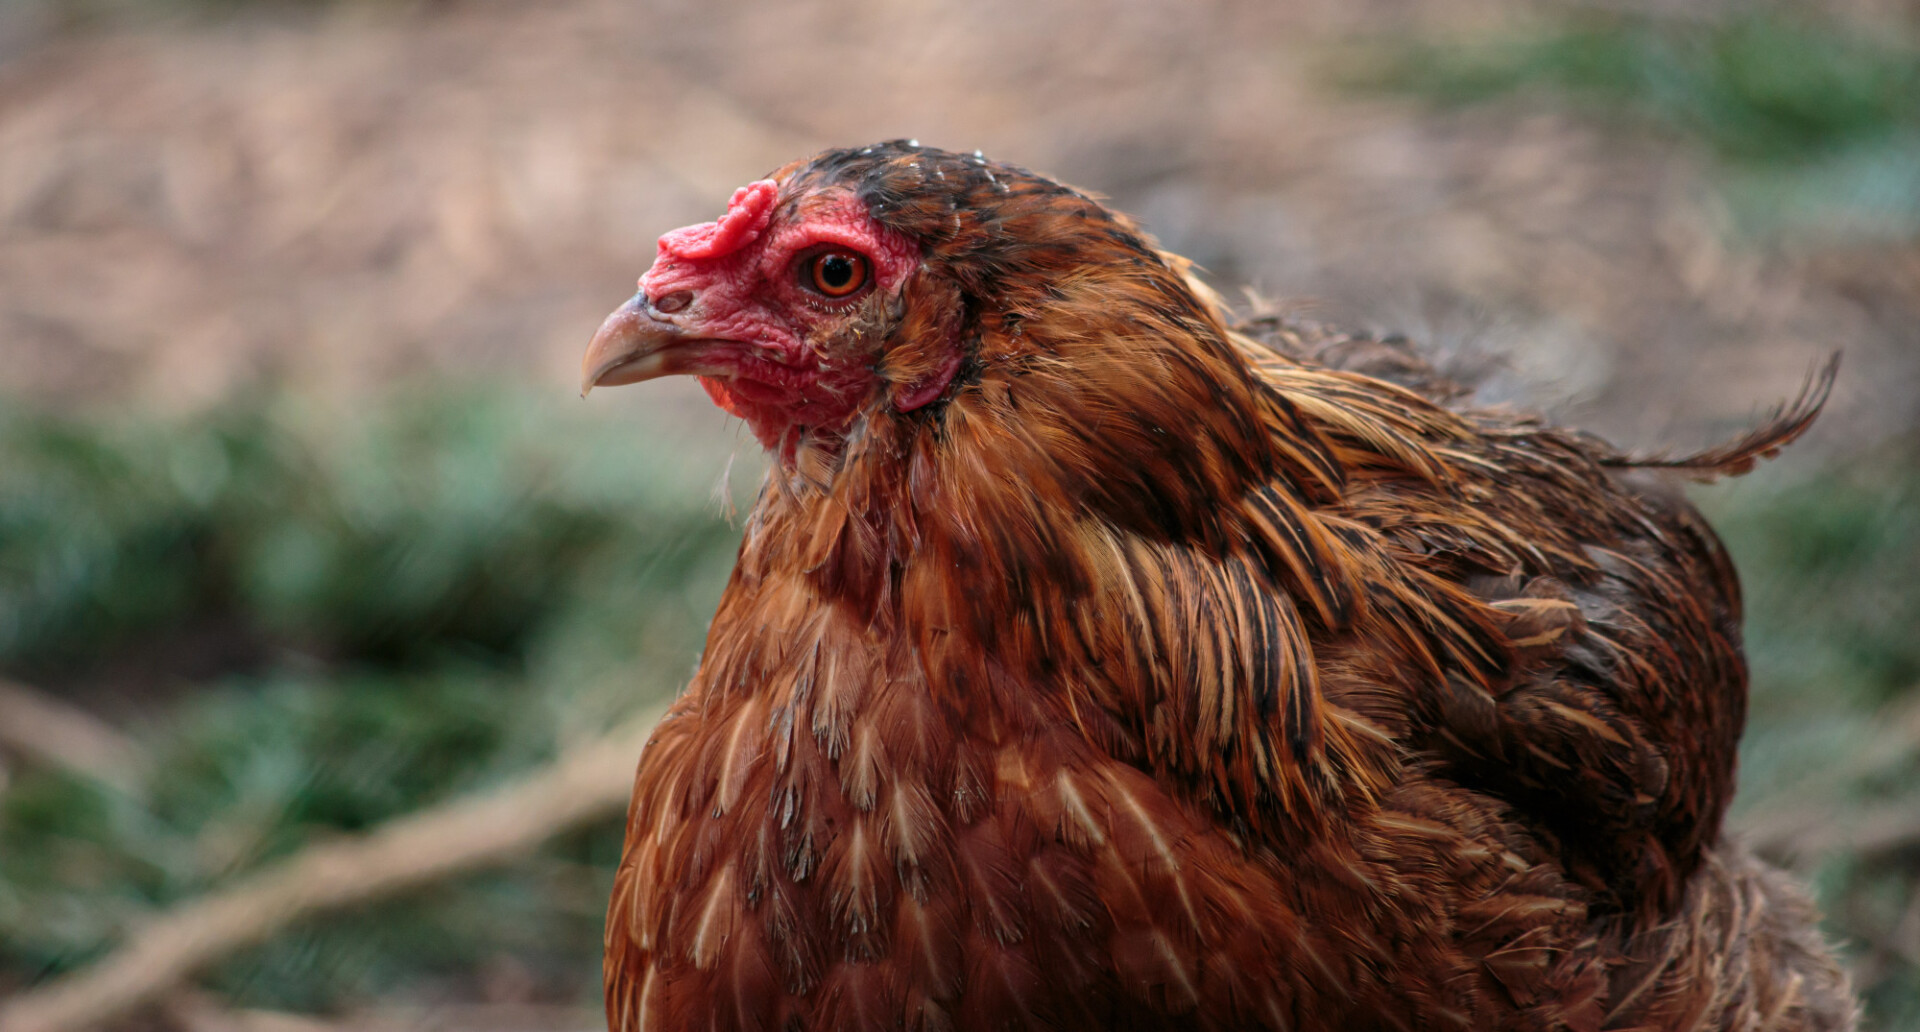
(635, 345)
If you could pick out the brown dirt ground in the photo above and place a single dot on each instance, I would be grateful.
(338, 200)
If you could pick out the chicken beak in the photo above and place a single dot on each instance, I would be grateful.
(633, 345)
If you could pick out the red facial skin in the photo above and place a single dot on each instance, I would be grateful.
(788, 358)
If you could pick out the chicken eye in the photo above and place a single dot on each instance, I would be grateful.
(836, 273)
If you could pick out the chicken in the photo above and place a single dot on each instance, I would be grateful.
(1092, 664)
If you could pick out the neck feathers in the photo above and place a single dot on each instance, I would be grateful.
(1112, 526)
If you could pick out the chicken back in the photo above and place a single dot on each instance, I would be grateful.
(1093, 663)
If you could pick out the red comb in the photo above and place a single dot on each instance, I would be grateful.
(747, 214)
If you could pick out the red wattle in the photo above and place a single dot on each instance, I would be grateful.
(717, 390)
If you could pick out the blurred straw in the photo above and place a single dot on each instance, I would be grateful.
(1813, 823)
(195, 1011)
(590, 782)
(47, 732)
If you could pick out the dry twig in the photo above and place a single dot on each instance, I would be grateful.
(590, 782)
(48, 732)
(1811, 831)
(1811, 823)
(195, 1011)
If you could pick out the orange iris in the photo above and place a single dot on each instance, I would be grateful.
(837, 273)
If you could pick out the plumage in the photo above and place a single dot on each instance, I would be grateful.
(1091, 662)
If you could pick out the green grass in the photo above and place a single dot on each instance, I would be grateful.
(423, 596)
(1815, 125)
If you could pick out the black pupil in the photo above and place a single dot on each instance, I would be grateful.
(836, 271)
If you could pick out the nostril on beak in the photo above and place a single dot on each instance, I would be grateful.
(673, 302)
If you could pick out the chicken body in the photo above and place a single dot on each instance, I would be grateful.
(1090, 664)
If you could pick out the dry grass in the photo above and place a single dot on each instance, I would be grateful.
(340, 198)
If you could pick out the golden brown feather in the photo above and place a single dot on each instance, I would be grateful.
(1162, 674)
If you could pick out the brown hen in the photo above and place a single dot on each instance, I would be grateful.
(1090, 664)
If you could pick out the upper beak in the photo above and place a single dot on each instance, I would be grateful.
(633, 345)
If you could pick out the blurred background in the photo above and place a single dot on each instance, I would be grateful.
(304, 532)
